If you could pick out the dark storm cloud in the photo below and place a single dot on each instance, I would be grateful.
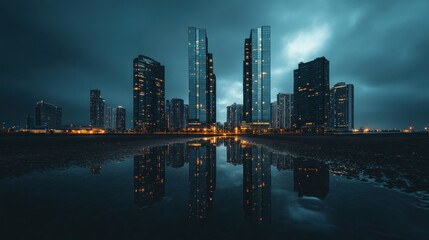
(59, 50)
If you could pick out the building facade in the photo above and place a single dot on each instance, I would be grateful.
(120, 119)
(257, 76)
(202, 80)
(167, 114)
(285, 103)
(148, 95)
(311, 95)
(48, 115)
(96, 108)
(342, 107)
(177, 114)
(275, 115)
(234, 116)
(108, 117)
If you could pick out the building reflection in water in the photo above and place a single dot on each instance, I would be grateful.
(149, 176)
(311, 178)
(176, 155)
(256, 183)
(96, 169)
(202, 178)
(234, 152)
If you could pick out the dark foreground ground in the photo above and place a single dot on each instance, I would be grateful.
(399, 161)
(20, 154)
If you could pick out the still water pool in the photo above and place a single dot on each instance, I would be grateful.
(205, 189)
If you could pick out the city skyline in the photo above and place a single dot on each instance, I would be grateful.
(71, 66)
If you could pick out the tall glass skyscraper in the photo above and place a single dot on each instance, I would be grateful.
(257, 76)
(202, 80)
(148, 95)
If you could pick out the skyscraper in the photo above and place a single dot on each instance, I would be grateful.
(275, 115)
(311, 95)
(186, 114)
(48, 115)
(211, 91)
(285, 103)
(167, 114)
(177, 114)
(342, 107)
(96, 108)
(247, 81)
(120, 119)
(108, 117)
(234, 116)
(257, 77)
(29, 122)
(148, 95)
(202, 80)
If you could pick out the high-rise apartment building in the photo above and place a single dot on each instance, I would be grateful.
(148, 95)
(234, 116)
(285, 104)
(96, 108)
(275, 115)
(177, 114)
(311, 95)
(120, 119)
(342, 107)
(48, 115)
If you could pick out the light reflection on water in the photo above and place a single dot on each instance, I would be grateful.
(311, 178)
(249, 190)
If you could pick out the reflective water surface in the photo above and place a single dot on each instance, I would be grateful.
(214, 188)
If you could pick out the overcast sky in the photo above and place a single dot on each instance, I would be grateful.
(59, 50)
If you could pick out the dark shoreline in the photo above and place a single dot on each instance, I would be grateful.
(20, 154)
(397, 161)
